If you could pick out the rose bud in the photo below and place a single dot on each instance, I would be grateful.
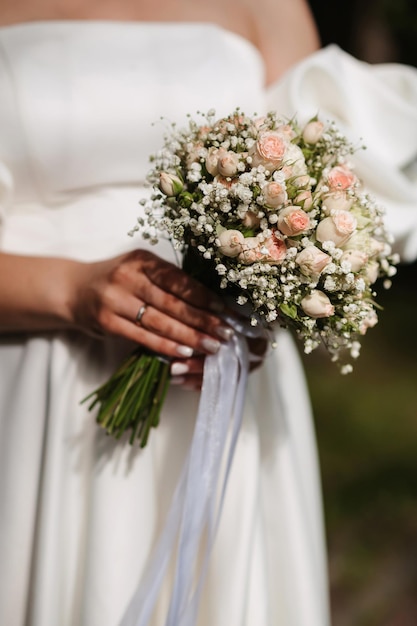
(313, 131)
(230, 242)
(317, 304)
(312, 261)
(304, 199)
(293, 221)
(212, 159)
(170, 184)
(275, 194)
(337, 228)
(227, 163)
(356, 258)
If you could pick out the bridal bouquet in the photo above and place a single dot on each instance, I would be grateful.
(275, 216)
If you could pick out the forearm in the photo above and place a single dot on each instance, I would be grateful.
(35, 293)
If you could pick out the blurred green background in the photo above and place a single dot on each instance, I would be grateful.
(367, 422)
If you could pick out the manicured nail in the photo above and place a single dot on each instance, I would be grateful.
(179, 368)
(185, 351)
(225, 332)
(210, 345)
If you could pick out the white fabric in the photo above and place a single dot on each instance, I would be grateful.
(79, 512)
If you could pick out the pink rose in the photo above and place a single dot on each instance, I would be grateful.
(312, 261)
(293, 221)
(227, 163)
(317, 304)
(272, 250)
(230, 242)
(269, 150)
(313, 131)
(277, 250)
(337, 228)
(275, 194)
(340, 178)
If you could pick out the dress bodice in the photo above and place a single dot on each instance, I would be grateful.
(80, 113)
(81, 101)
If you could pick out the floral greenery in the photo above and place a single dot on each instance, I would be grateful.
(131, 400)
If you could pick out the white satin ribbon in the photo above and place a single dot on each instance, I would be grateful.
(195, 511)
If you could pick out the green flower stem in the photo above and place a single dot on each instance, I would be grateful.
(133, 396)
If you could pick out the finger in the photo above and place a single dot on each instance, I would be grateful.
(192, 382)
(187, 366)
(174, 280)
(206, 341)
(115, 324)
(182, 311)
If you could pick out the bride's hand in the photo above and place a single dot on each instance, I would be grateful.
(174, 310)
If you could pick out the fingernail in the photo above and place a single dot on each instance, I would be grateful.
(210, 345)
(225, 332)
(179, 368)
(177, 380)
(184, 351)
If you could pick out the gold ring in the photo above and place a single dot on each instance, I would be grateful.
(140, 313)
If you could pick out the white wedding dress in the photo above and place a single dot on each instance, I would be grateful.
(80, 512)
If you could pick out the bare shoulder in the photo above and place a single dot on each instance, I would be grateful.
(284, 31)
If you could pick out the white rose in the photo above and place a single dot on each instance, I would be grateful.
(372, 272)
(317, 304)
(375, 246)
(369, 322)
(227, 163)
(230, 242)
(275, 194)
(337, 201)
(293, 221)
(356, 258)
(295, 166)
(170, 184)
(312, 261)
(313, 131)
(337, 228)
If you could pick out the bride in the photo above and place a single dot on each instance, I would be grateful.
(81, 85)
